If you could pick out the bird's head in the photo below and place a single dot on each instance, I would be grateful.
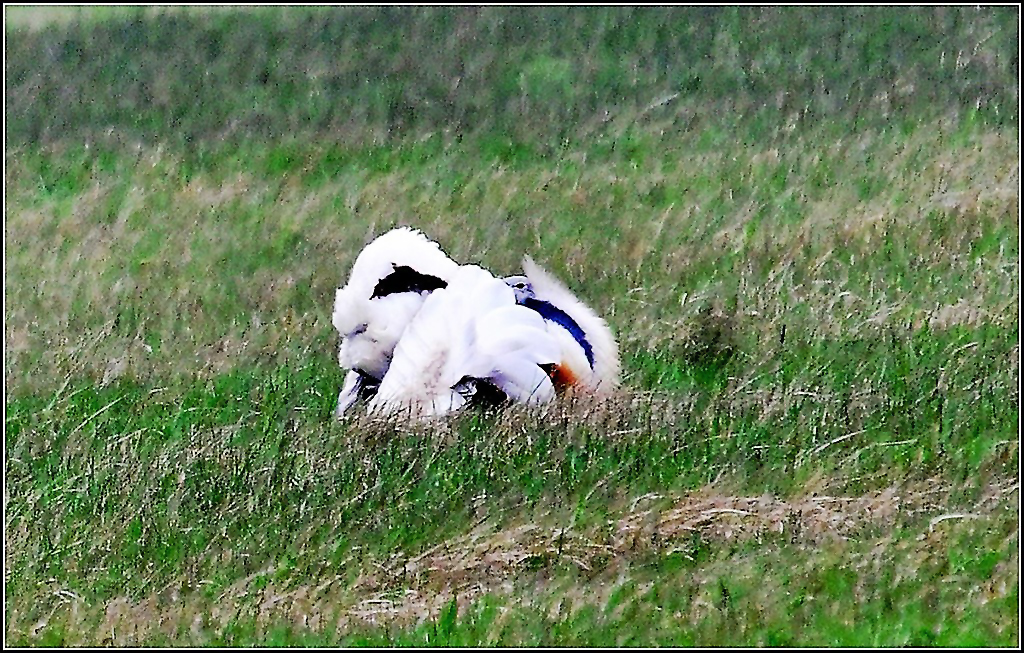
(520, 284)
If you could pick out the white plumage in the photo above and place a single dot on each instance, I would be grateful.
(467, 335)
(589, 354)
(390, 279)
(422, 335)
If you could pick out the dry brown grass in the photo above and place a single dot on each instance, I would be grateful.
(517, 560)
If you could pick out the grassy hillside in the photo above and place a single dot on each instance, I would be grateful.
(802, 224)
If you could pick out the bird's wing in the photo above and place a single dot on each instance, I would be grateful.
(513, 344)
(432, 351)
(473, 328)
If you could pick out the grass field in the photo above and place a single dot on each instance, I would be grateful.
(801, 223)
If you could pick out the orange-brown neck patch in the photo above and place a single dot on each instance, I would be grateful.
(561, 375)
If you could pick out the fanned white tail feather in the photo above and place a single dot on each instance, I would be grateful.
(370, 327)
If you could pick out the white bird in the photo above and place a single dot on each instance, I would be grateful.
(422, 334)
(469, 339)
(589, 355)
(389, 282)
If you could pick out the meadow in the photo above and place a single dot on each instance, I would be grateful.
(801, 223)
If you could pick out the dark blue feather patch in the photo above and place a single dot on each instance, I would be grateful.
(550, 312)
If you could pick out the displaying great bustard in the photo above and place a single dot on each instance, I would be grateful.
(423, 335)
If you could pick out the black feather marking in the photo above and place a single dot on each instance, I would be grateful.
(481, 394)
(367, 387)
(405, 279)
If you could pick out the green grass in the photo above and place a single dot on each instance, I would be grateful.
(382, 74)
(802, 225)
